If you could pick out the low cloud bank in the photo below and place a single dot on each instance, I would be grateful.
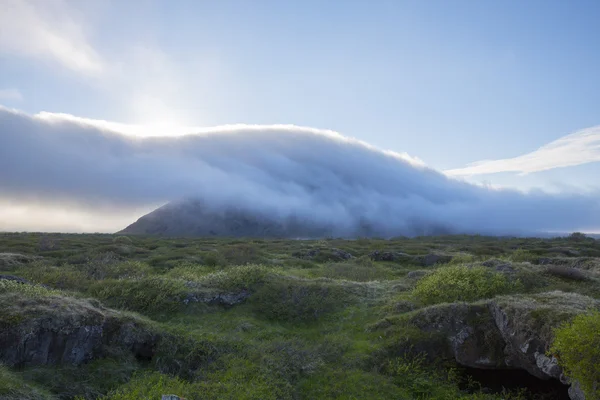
(281, 170)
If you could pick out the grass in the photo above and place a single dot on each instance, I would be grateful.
(316, 319)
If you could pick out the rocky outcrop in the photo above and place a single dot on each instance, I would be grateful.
(506, 332)
(391, 256)
(55, 330)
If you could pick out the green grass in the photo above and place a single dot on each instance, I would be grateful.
(314, 324)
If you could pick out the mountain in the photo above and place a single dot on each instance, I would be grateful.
(194, 218)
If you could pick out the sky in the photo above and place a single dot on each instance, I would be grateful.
(504, 94)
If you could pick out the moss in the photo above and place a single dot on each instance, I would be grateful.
(297, 300)
(13, 387)
(577, 347)
(461, 283)
(152, 294)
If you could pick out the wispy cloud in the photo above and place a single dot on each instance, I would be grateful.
(322, 176)
(48, 29)
(578, 148)
(11, 95)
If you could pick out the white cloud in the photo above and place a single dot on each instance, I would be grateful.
(47, 29)
(578, 148)
(90, 168)
(11, 95)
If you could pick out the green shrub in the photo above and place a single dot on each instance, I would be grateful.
(28, 290)
(577, 347)
(296, 300)
(12, 387)
(122, 240)
(236, 278)
(521, 255)
(153, 386)
(61, 277)
(461, 283)
(213, 259)
(147, 294)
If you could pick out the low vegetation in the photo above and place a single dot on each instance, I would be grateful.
(134, 317)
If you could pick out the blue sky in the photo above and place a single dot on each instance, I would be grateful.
(449, 82)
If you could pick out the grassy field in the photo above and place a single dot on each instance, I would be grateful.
(265, 319)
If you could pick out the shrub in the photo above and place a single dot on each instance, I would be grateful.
(296, 300)
(235, 278)
(147, 294)
(521, 255)
(26, 289)
(13, 388)
(153, 386)
(122, 240)
(577, 347)
(461, 283)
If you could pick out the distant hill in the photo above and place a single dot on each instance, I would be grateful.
(193, 218)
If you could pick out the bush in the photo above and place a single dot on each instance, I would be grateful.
(461, 283)
(153, 386)
(13, 388)
(147, 294)
(26, 289)
(122, 240)
(236, 278)
(577, 347)
(295, 300)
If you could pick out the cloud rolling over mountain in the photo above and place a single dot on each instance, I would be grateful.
(281, 171)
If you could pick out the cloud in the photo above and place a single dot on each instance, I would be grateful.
(10, 95)
(48, 29)
(578, 148)
(76, 164)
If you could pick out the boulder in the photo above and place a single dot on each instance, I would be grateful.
(389, 256)
(506, 332)
(432, 259)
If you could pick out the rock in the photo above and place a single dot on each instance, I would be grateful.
(432, 259)
(344, 255)
(548, 365)
(171, 397)
(389, 256)
(59, 330)
(499, 266)
(323, 254)
(505, 332)
(15, 279)
(575, 392)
